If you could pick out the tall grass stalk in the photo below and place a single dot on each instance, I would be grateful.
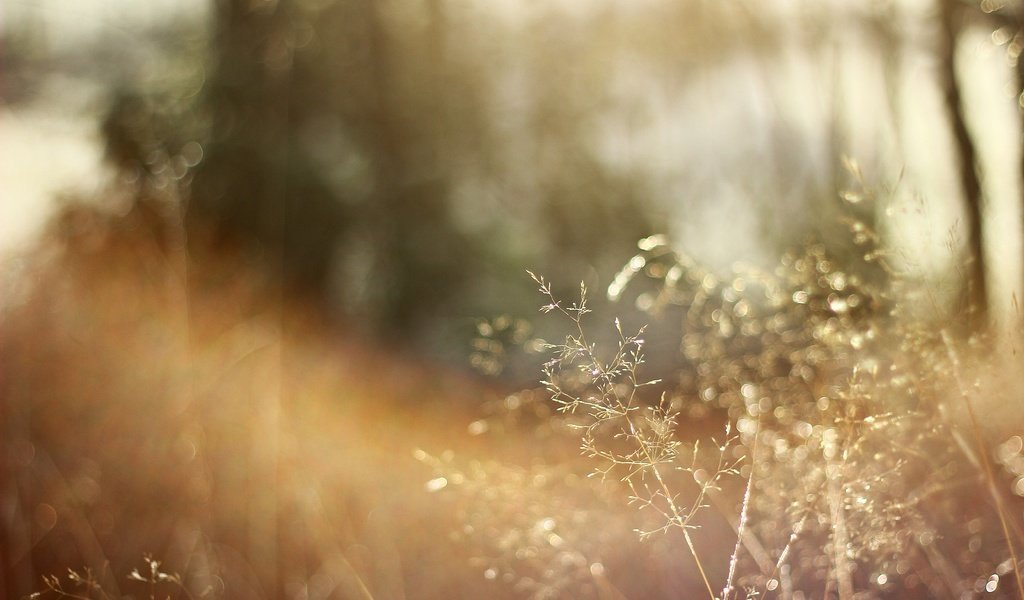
(741, 527)
(986, 464)
(650, 439)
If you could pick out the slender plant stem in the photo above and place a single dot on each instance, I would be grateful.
(839, 539)
(741, 527)
(985, 462)
(677, 517)
(696, 559)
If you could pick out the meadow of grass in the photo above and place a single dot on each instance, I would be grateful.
(175, 425)
(866, 443)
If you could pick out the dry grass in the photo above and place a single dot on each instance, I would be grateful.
(792, 433)
(864, 471)
(151, 404)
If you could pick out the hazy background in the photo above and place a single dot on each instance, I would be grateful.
(407, 160)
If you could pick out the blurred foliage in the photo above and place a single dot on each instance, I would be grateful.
(353, 145)
(403, 162)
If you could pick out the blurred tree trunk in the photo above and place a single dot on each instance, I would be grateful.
(409, 221)
(384, 213)
(239, 183)
(1011, 17)
(1016, 23)
(951, 24)
(240, 193)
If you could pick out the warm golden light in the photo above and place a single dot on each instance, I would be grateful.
(267, 328)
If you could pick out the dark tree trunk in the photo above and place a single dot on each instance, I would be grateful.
(1019, 83)
(241, 195)
(970, 181)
